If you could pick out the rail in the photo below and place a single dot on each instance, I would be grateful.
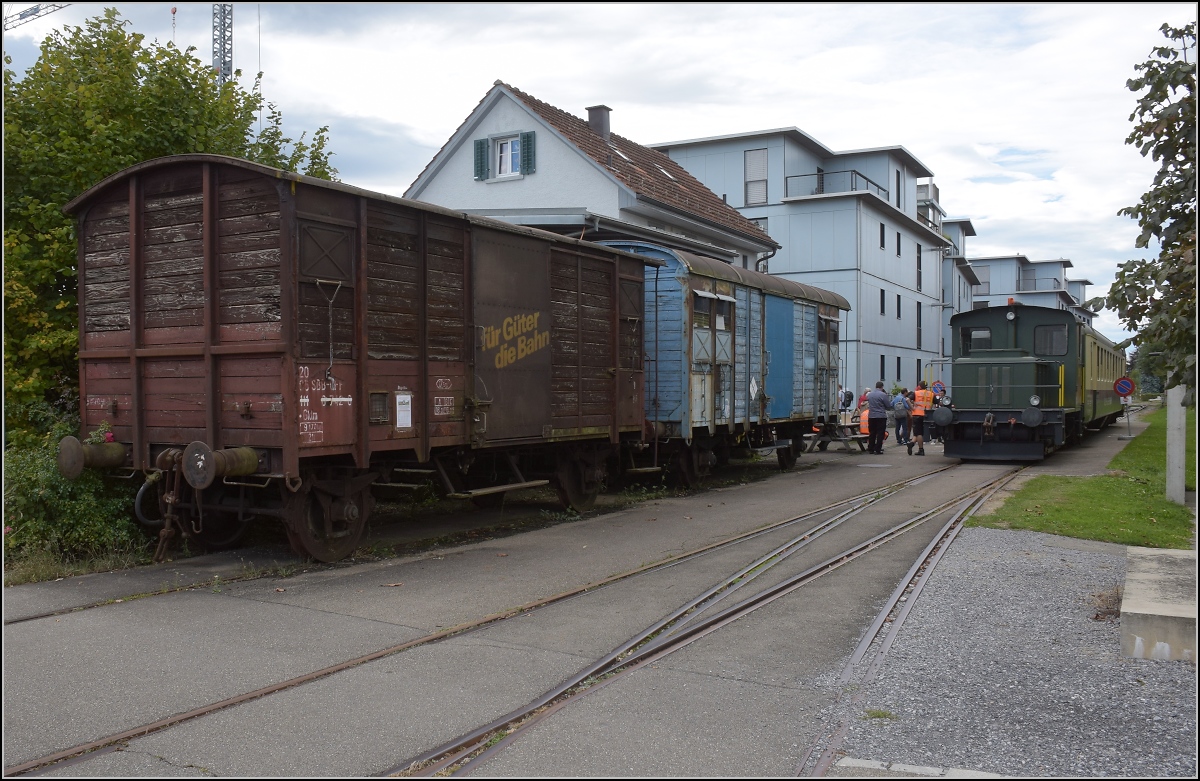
(1033, 285)
(832, 182)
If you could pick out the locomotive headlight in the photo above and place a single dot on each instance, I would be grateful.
(1035, 400)
(1011, 315)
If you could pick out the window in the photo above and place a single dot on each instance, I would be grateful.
(975, 339)
(723, 314)
(761, 222)
(1051, 339)
(882, 367)
(899, 204)
(882, 301)
(508, 155)
(882, 236)
(918, 325)
(378, 412)
(897, 368)
(702, 312)
(918, 267)
(918, 369)
(898, 306)
(897, 243)
(756, 177)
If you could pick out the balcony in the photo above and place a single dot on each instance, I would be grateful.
(928, 192)
(832, 182)
(1034, 285)
(928, 223)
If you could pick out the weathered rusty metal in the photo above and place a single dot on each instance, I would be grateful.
(202, 465)
(75, 456)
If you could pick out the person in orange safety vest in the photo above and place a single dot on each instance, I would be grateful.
(924, 404)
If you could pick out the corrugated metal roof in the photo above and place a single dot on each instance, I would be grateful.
(717, 269)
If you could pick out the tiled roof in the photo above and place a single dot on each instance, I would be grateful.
(647, 172)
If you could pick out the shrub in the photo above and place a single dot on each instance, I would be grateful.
(46, 513)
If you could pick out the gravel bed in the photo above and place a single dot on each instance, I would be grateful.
(1008, 664)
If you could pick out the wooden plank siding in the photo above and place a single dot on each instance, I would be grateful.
(104, 275)
(207, 287)
(582, 341)
(248, 258)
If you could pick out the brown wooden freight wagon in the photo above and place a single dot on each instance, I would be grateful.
(264, 343)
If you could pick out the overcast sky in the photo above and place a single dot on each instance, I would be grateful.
(1021, 111)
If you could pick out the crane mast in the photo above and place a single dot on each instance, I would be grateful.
(222, 41)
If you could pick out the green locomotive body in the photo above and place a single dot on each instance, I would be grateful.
(1026, 381)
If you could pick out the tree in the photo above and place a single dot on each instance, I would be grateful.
(98, 100)
(1157, 298)
(1146, 369)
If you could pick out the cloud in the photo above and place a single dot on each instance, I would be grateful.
(1021, 110)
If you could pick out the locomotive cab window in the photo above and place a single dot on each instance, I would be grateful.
(976, 339)
(1050, 339)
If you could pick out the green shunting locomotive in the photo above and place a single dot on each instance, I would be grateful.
(1026, 380)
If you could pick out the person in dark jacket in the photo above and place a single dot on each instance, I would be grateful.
(902, 410)
(877, 407)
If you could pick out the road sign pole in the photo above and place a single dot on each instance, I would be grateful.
(1124, 387)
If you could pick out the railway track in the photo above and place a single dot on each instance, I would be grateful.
(724, 602)
(94, 748)
(704, 615)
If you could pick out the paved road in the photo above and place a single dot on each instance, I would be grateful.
(747, 700)
(81, 676)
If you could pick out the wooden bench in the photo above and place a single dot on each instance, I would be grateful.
(845, 433)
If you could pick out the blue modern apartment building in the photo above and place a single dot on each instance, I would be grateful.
(866, 224)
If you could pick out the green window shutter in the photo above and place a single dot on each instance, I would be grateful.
(528, 153)
(481, 159)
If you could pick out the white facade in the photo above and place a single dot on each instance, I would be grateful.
(576, 180)
(1016, 278)
(857, 223)
(564, 178)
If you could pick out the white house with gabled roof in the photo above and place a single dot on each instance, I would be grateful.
(523, 161)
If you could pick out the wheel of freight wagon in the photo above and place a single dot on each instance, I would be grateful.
(575, 491)
(221, 530)
(306, 523)
(787, 457)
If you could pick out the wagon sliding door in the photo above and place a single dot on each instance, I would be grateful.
(513, 320)
(780, 325)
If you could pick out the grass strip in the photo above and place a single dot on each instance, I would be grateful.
(1128, 506)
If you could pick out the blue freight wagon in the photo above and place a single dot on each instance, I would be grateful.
(735, 358)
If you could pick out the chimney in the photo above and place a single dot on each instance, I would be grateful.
(598, 120)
